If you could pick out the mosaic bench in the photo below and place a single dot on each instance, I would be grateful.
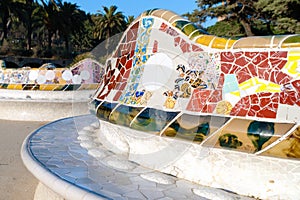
(234, 101)
(35, 94)
(190, 107)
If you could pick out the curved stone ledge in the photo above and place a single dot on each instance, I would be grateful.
(43, 105)
(29, 95)
(66, 170)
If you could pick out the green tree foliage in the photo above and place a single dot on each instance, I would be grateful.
(26, 14)
(84, 40)
(72, 21)
(240, 10)
(283, 17)
(6, 11)
(109, 22)
(129, 19)
(257, 17)
(55, 28)
(227, 28)
(50, 16)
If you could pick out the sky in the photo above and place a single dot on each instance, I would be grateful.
(136, 7)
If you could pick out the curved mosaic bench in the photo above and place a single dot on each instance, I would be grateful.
(188, 107)
(234, 101)
(37, 93)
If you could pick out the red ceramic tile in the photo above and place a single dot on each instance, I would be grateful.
(132, 34)
(128, 64)
(215, 96)
(252, 69)
(259, 58)
(297, 101)
(117, 96)
(123, 60)
(221, 81)
(296, 85)
(122, 71)
(199, 100)
(185, 47)
(226, 67)
(177, 41)
(211, 107)
(196, 48)
(234, 68)
(227, 57)
(122, 87)
(155, 46)
(132, 48)
(288, 97)
(241, 61)
(119, 78)
(242, 107)
(163, 27)
(243, 75)
(203, 108)
(266, 113)
(254, 100)
(127, 74)
(280, 78)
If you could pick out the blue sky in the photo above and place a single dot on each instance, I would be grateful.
(136, 7)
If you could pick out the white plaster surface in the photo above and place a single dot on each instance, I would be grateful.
(246, 174)
(25, 105)
(42, 192)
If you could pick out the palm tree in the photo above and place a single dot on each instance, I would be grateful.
(72, 21)
(6, 7)
(109, 23)
(129, 19)
(84, 41)
(27, 14)
(50, 17)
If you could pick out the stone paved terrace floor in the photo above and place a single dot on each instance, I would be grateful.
(16, 182)
(57, 148)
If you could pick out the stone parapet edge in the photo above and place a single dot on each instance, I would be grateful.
(61, 187)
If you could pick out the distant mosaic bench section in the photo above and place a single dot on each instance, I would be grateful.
(84, 75)
(48, 93)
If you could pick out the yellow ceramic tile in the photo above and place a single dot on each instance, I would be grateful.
(249, 83)
(205, 39)
(222, 43)
(291, 68)
(15, 86)
(271, 87)
(48, 87)
(294, 56)
(236, 93)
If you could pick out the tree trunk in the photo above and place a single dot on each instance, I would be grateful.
(246, 27)
(49, 39)
(5, 24)
(270, 31)
(29, 33)
(67, 45)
